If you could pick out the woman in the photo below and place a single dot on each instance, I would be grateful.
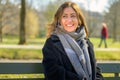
(67, 53)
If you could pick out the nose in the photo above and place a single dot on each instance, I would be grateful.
(69, 19)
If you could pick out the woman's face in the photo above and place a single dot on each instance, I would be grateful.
(69, 20)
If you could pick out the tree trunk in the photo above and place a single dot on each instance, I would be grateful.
(22, 23)
(115, 24)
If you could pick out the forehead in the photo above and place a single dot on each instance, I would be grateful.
(68, 10)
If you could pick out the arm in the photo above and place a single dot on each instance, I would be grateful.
(98, 74)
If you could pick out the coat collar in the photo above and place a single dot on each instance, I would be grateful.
(57, 43)
(54, 38)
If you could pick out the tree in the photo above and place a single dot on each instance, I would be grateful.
(11, 20)
(1, 15)
(22, 23)
(32, 21)
(2, 11)
(112, 18)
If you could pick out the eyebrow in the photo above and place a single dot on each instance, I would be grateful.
(70, 14)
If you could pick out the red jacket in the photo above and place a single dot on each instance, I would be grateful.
(104, 32)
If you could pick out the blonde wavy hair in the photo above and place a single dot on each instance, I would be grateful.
(58, 15)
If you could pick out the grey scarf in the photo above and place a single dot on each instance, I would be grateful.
(78, 55)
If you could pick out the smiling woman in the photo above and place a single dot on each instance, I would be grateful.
(68, 53)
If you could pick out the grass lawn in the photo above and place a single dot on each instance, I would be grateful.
(21, 75)
(107, 55)
(20, 54)
(110, 43)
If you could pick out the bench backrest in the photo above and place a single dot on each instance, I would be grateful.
(36, 68)
(21, 68)
(110, 68)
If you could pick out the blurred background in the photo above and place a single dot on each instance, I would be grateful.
(23, 26)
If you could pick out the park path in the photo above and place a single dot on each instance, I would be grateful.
(22, 46)
(107, 49)
(40, 47)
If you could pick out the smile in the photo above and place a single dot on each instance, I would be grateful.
(69, 25)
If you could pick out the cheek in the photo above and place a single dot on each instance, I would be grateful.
(76, 23)
(62, 22)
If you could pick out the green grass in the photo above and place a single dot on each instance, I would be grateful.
(21, 75)
(107, 55)
(34, 41)
(20, 54)
(41, 41)
(37, 54)
(110, 43)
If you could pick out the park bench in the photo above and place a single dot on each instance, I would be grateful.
(36, 68)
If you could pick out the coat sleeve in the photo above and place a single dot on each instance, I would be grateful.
(96, 69)
(53, 70)
(98, 74)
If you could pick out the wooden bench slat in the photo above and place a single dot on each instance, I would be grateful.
(20, 68)
(110, 67)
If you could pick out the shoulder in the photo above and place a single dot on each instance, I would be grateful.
(51, 41)
(52, 46)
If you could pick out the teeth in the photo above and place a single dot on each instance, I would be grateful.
(69, 25)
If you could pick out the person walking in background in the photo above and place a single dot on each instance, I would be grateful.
(104, 35)
(68, 53)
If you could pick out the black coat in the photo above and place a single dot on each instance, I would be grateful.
(56, 63)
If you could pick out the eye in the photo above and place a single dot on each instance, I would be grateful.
(73, 16)
(64, 16)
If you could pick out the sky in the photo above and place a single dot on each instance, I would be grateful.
(94, 5)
